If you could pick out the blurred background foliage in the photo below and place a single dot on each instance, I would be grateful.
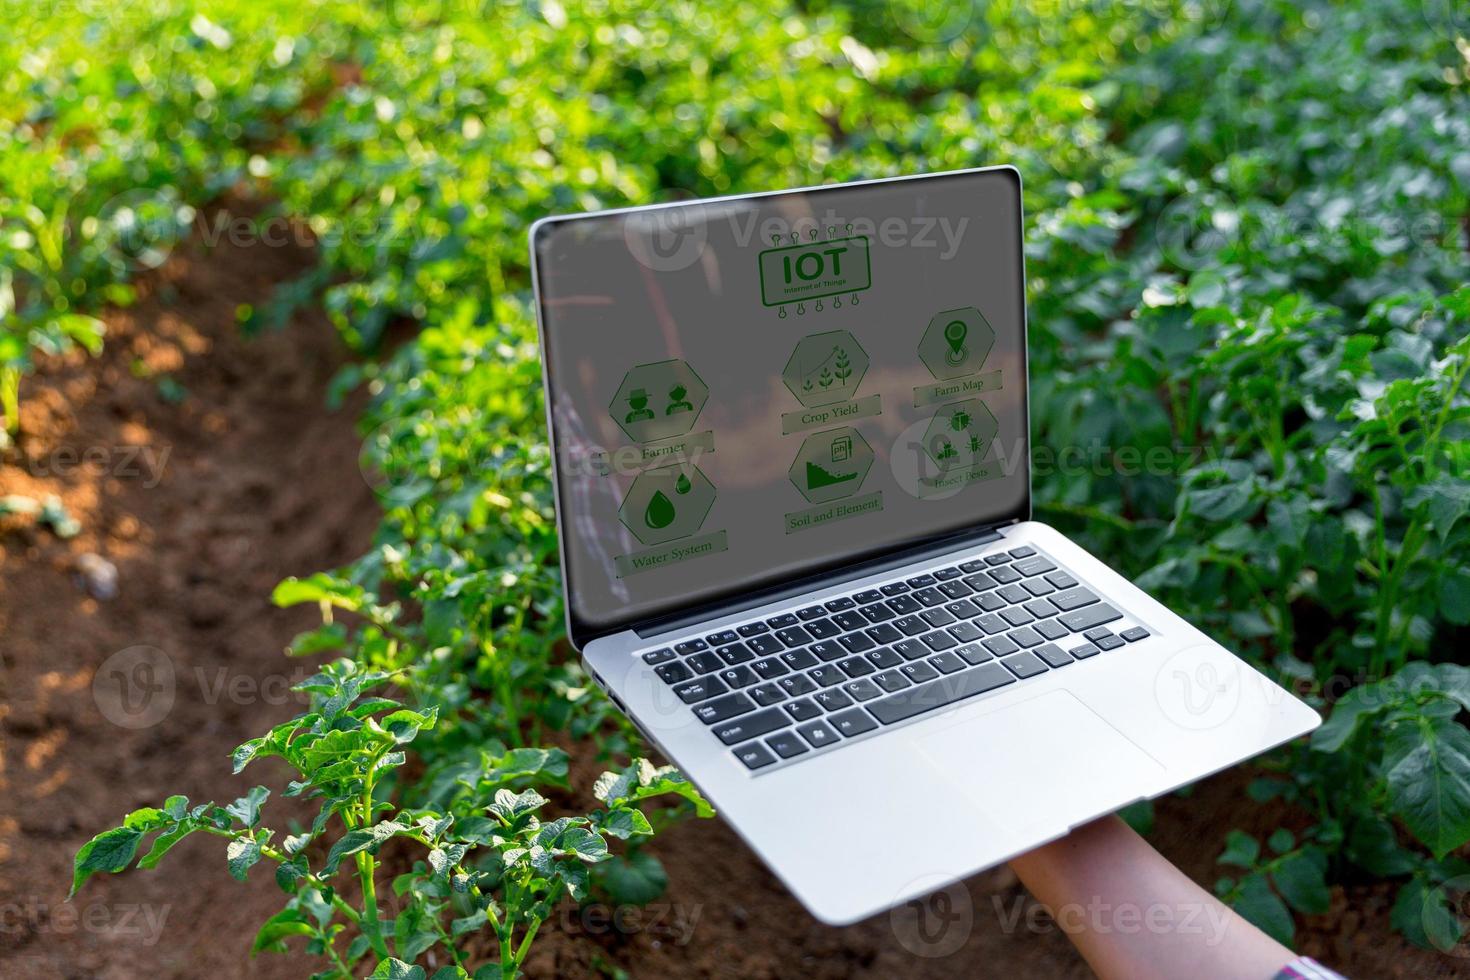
(1247, 232)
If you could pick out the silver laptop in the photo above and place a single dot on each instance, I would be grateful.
(793, 485)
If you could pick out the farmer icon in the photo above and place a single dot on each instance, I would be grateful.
(956, 343)
(638, 401)
(642, 413)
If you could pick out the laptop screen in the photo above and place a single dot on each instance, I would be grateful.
(745, 392)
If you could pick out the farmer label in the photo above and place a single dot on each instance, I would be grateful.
(824, 268)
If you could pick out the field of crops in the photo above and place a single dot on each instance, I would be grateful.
(1248, 237)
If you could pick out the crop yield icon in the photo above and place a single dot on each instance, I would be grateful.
(826, 368)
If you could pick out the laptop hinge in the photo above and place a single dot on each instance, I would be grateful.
(788, 590)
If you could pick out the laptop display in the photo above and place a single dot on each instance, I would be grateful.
(749, 391)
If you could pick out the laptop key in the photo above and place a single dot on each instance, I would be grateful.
(719, 709)
(856, 666)
(1025, 665)
(765, 646)
(1000, 646)
(826, 675)
(856, 643)
(938, 693)
(828, 651)
(798, 659)
(936, 617)
(782, 621)
(1108, 642)
(1097, 633)
(972, 566)
(878, 612)
(769, 668)
(939, 640)
(1024, 637)
(738, 676)
(974, 653)
(797, 684)
(1074, 598)
(884, 658)
(955, 590)
(891, 680)
(1005, 575)
(751, 726)
(894, 588)
(810, 612)
(704, 663)
(1013, 593)
(1034, 566)
(965, 632)
(992, 624)
(1089, 616)
(737, 653)
(794, 636)
(673, 673)
(851, 621)
(766, 694)
(997, 559)
(905, 604)
(755, 756)
(919, 672)
(823, 628)
(853, 723)
(837, 605)
(700, 689)
(912, 649)
(803, 710)
(991, 601)
(655, 657)
(962, 609)
(1134, 633)
(861, 689)
(721, 638)
(945, 574)
(912, 625)
(946, 663)
(1084, 651)
(930, 596)
(1038, 586)
(690, 646)
(752, 629)
(883, 633)
(817, 734)
(1060, 579)
(980, 582)
(1017, 616)
(833, 699)
(921, 581)
(868, 595)
(787, 744)
(1022, 552)
(1054, 655)
(1050, 628)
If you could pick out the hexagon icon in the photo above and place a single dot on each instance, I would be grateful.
(667, 502)
(956, 343)
(831, 464)
(659, 400)
(959, 435)
(826, 368)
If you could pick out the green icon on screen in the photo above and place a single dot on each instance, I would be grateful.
(831, 464)
(954, 333)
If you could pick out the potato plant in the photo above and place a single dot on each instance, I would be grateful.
(492, 861)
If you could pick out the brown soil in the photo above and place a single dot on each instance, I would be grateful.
(261, 481)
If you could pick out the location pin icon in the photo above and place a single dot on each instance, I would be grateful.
(954, 334)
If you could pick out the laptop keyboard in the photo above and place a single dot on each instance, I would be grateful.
(780, 689)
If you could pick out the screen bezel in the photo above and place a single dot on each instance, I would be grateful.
(853, 565)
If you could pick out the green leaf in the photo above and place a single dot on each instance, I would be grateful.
(393, 969)
(361, 839)
(1454, 596)
(109, 851)
(1446, 499)
(284, 924)
(1258, 904)
(1280, 841)
(1301, 879)
(634, 879)
(1428, 770)
(164, 842)
(1241, 849)
(247, 808)
(625, 822)
(242, 854)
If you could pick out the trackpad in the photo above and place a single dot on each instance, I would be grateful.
(1045, 763)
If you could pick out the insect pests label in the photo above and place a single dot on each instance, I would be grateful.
(832, 267)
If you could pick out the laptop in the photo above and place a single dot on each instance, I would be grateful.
(793, 483)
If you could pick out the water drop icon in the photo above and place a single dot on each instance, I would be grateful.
(660, 511)
(682, 485)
